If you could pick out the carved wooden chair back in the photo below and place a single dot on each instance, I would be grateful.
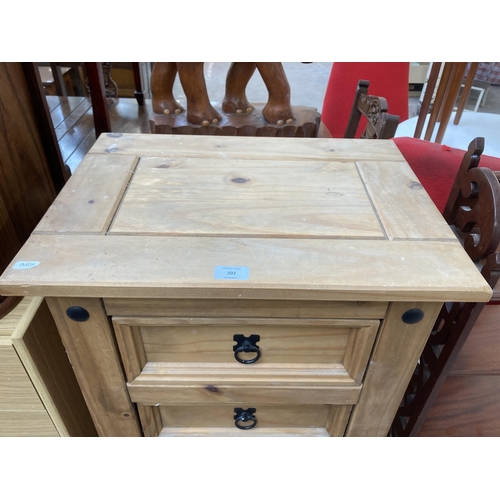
(380, 124)
(473, 212)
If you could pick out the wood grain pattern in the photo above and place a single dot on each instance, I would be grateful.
(153, 390)
(71, 140)
(176, 360)
(16, 390)
(131, 347)
(73, 120)
(150, 420)
(26, 424)
(65, 112)
(466, 406)
(233, 432)
(358, 351)
(246, 148)
(17, 318)
(337, 420)
(223, 416)
(100, 187)
(479, 355)
(400, 200)
(38, 345)
(279, 268)
(93, 353)
(297, 342)
(245, 308)
(397, 350)
(214, 344)
(202, 420)
(39, 395)
(307, 421)
(257, 198)
(27, 188)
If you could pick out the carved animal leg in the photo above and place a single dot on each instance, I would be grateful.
(238, 76)
(199, 109)
(278, 109)
(162, 83)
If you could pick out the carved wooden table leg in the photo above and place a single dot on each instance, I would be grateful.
(89, 341)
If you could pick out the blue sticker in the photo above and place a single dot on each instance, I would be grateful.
(25, 264)
(231, 273)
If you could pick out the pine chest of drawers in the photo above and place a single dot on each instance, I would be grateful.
(221, 286)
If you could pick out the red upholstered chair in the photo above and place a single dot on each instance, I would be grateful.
(387, 80)
(436, 165)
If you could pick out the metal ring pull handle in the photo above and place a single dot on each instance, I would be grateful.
(245, 416)
(246, 344)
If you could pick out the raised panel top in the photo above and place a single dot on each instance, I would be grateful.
(162, 215)
(260, 198)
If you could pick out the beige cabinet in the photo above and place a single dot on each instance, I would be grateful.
(221, 286)
(39, 395)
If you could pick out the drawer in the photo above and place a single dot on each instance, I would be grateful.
(251, 420)
(203, 360)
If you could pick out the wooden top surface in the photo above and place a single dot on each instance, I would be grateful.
(159, 215)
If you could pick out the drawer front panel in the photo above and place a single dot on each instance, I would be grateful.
(192, 360)
(158, 390)
(209, 351)
(267, 420)
(214, 343)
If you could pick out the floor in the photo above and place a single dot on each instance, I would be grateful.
(308, 82)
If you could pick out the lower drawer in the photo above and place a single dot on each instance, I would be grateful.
(249, 421)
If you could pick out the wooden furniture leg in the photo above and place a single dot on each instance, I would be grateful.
(139, 94)
(58, 79)
(93, 353)
(465, 94)
(438, 101)
(98, 96)
(400, 346)
(429, 92)
(453, 88)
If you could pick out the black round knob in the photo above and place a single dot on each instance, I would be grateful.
(77, 313)
(412, 316)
